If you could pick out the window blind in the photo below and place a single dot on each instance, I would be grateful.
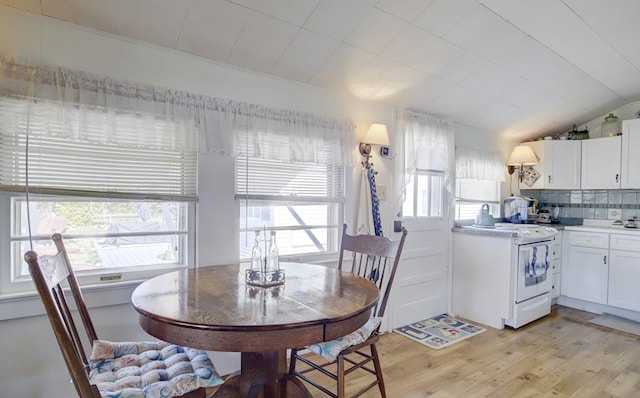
(264, 179)
(138, 157)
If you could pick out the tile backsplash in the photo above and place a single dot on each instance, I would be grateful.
(593, 204)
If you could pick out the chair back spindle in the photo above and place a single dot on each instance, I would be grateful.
(49, 274)
(372, 257)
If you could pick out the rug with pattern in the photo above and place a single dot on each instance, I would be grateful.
(439, 331)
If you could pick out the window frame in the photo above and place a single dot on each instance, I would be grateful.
(494, 204)
(10, 285)
(169, 174)
(335, 212)
(414, 194)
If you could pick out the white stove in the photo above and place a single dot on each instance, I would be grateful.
(498, 281)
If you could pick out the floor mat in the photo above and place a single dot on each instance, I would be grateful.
(614, 322)
(439, 331)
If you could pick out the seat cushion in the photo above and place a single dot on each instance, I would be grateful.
(331, 349)
(149, 369)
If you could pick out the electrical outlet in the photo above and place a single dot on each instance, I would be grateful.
(382, 192)
(614, 214)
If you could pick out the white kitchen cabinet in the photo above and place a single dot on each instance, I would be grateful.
(559, 164)
(630, 168)
(601, 161)
(587, 266)
(624, 272)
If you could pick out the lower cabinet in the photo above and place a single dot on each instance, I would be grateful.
(588, 274)
(587, 270)
(624, 272)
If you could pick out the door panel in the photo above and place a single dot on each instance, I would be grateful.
(421, 286)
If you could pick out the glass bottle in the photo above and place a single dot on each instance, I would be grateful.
(273, 262)
(611, 126)
(257, 263)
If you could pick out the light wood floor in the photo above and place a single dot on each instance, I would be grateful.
(561, 355)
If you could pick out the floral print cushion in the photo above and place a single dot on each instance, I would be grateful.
(149, 369)
(331, 349)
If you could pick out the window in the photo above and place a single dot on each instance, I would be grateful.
(425, 189)
(301, 201)
(478, 177)
(123, 199)
(103, 237)
(423, 168)
(472, 193)
(424, 195)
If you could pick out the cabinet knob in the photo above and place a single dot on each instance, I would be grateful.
(617, 177)
(605, 260)
(549, 179)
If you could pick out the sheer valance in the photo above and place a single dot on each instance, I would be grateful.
(202, 123)
(425, 143)
(478, 164)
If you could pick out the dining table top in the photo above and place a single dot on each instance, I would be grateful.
(213, 308)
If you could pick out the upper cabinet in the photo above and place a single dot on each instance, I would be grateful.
(601, 163)
(630, 151)
(558, 165)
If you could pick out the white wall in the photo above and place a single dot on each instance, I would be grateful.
(625, 112)
(32, 365)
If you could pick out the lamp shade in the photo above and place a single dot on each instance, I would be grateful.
(522, 155)
(377, 135)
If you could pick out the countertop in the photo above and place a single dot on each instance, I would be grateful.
(610, 229)
(500, 229)
(602, 226)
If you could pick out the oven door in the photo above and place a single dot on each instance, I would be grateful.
(533, 274)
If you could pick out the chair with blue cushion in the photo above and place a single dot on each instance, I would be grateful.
(114, 369)
(375, 258)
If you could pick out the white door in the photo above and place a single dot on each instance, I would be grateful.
(421, 285)
(422, 282)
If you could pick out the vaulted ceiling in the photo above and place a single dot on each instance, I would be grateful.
(519, 68)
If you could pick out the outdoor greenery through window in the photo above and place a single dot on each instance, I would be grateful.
(101, 236)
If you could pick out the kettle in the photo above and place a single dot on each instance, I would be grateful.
(484, 218)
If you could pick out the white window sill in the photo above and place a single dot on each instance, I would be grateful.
(22, 305)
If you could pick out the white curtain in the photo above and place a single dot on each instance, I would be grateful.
(78, 93)
(477, 164)
(206, 123)
(422, 142)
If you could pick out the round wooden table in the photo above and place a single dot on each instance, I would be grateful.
(212, 308)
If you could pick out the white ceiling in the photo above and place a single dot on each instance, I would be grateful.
(519, 68)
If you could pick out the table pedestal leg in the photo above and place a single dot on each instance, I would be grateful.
(263, 375)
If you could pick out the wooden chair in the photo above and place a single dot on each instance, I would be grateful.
(49, 274)
(375, 258)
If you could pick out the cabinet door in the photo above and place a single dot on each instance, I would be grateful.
(624, 274)
(563, 164)
(558, 165)
(601, 163)
(630, 168)
(587, 274)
